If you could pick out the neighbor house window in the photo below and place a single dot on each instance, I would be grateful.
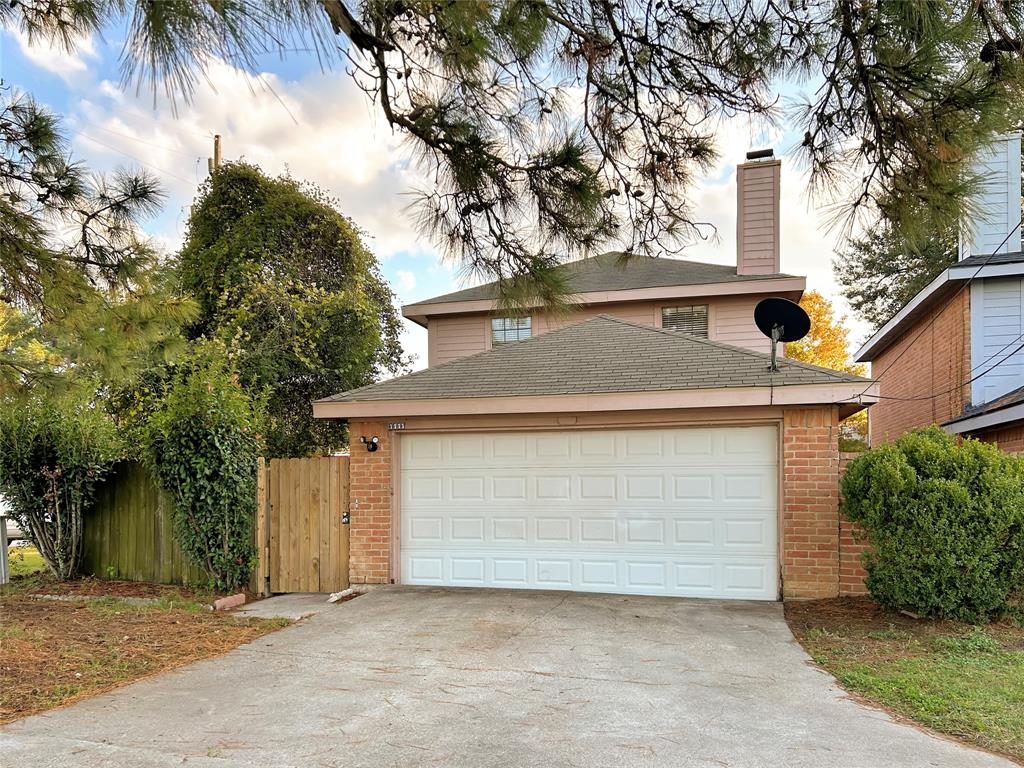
(692, 320)
(508, 329)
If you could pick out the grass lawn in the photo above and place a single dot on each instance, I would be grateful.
(54, 652)
(959, 679)
(25, 561)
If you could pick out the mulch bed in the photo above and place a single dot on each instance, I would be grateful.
(54, 653)
(853, 616)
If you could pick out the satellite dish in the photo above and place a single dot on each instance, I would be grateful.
(780, 320)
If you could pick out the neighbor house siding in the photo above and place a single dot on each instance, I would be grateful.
(997, 322)
(922, 374)
(1009, 438)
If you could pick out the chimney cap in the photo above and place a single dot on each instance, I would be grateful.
(761, 154)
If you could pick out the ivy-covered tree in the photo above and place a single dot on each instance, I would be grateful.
(551, 128)
(203, 442)
(80, 289)
(285, 281)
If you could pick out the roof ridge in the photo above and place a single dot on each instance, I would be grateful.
(752, 352)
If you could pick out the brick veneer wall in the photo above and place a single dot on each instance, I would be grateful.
(369, 535)
(926, 358)
(810, 503)
(811, 532)
(851, 567)
(1009, 439)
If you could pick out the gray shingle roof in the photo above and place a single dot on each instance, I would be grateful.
(987, 259)
(613, 272)
(602, 354)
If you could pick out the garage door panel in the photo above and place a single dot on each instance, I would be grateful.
(741, 446)
(740, 578)
(672, 511)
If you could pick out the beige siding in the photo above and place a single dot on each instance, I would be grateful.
(450, 338)
(757, 218)
(641, 312)
(731, 321)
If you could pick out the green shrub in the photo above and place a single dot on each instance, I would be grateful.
(54, 450)
(203, 442)
(945, 521)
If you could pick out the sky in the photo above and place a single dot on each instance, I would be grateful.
(317, 125)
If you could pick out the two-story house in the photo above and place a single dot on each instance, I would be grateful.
(954, 355)
(641, 444)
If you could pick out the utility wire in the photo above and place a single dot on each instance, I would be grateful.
(133, 157)
(877, 379)
(190, 155)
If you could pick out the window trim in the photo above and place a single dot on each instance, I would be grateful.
(707, 316)
(524, 323)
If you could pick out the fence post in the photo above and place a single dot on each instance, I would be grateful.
(262, 585)
(5, 575)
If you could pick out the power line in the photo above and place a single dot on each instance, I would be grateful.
(878, 379)
(190, 155)
(133, 157)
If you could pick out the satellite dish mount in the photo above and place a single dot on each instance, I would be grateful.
(780, 320)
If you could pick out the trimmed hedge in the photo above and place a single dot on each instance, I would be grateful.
(945, 520)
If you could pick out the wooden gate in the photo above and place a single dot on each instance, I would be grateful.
(303, 524)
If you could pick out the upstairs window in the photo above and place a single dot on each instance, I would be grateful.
(505, 330)
(692, 320)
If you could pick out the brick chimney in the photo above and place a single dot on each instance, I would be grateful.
(998, 201)
(757, 214)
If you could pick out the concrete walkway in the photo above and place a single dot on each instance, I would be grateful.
(419, 677)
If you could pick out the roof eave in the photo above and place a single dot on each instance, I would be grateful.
(926, 298)
(888, 333)
(851, 394)
(987, 420)
(420, 312)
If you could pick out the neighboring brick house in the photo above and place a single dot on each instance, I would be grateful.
(954, 355)
(640, 446)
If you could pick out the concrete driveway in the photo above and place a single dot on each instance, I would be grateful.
(422, 677)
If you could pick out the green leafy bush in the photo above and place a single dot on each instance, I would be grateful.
(203, 442)
(54, 450)
(945, 521)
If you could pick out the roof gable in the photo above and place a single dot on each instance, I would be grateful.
(600, 355)
(616, 271)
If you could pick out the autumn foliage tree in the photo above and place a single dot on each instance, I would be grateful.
(827, 345)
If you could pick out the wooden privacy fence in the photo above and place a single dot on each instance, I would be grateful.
(302, 524)
(129, 533)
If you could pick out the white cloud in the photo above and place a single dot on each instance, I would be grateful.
(321, 127)
(407, 280)
(70, 67)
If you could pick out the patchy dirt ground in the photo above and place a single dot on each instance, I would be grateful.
(963, 680)
(53, 653)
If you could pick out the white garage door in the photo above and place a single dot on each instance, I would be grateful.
(650, 512)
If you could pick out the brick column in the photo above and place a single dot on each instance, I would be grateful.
(851, 568)
(810, 503)
(369, 534)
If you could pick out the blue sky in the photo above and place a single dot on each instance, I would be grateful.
(318, 126)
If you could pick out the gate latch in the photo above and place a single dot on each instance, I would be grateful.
(344, 518)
